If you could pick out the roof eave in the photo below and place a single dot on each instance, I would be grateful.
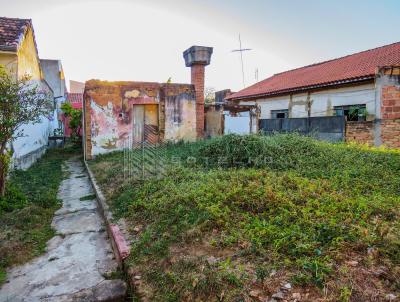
(8, 49)
(302, 89)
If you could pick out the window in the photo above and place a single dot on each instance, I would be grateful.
(284, 113)
(352, 112)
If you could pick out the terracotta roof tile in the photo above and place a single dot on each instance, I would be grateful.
(11, 32)
(356, 67)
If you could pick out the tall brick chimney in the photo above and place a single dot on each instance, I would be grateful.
(197, 57)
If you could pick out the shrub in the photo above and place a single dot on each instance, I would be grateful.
(13, 199)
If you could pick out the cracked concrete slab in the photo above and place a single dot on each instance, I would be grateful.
(77, 222)
(77, 260)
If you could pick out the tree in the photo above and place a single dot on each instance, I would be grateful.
(209, 95)
(75, 120)
(21, 102)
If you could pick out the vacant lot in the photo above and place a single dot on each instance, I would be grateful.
(27, 209)
(247, 218)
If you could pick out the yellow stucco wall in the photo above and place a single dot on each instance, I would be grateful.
(28, 62)
(9, 60)
(25, 61)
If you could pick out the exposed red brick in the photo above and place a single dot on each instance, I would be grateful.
(197, 79)
(390, 133)
(360, 132)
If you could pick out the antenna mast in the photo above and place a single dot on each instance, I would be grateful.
(241, 50)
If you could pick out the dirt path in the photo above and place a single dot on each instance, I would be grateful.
(78, 262)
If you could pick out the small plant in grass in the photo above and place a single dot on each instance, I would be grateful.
(261, 273)
(88, 197)
(345, 294)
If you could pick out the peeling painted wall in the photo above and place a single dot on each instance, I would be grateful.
(109, 112)
(180, 117)
(9, 60)
(28, 61)
(214, 121)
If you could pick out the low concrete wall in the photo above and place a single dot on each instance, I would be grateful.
(27, 160)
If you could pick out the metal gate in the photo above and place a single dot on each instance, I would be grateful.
(330, 128)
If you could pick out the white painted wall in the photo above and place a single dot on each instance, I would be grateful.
(322, 101)
(276, 103)
(299, 108)
(35, 137)
(362, 94)
(239, 124)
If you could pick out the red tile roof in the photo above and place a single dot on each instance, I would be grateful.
(76, 100)
(12, 31)
(352, 68)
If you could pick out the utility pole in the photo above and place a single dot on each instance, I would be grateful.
(241, 50)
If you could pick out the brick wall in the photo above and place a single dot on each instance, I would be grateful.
(390, 106)
(390, 133)
(388, 78)
(390, 109)
(360, 132)
(197, 79)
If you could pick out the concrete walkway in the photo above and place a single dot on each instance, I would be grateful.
(78, 262)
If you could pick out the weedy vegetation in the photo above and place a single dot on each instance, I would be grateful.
(27, 209)
(238, 216)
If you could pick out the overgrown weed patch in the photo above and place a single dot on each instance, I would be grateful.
(284, 203)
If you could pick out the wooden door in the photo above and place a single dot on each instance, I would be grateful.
(145, 124)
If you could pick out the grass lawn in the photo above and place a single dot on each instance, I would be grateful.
(240, 216)
(27, 210)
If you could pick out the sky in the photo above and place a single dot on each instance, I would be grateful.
(143, 40)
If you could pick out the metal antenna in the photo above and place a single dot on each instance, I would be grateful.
(241, 50)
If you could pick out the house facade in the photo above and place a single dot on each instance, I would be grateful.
(19, 54)
(145, 112)
(364, 88)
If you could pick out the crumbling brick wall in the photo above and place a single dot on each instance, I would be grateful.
(390, 133)
(360, 132)
(108, 116)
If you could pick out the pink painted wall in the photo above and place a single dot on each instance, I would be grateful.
(76, 101)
